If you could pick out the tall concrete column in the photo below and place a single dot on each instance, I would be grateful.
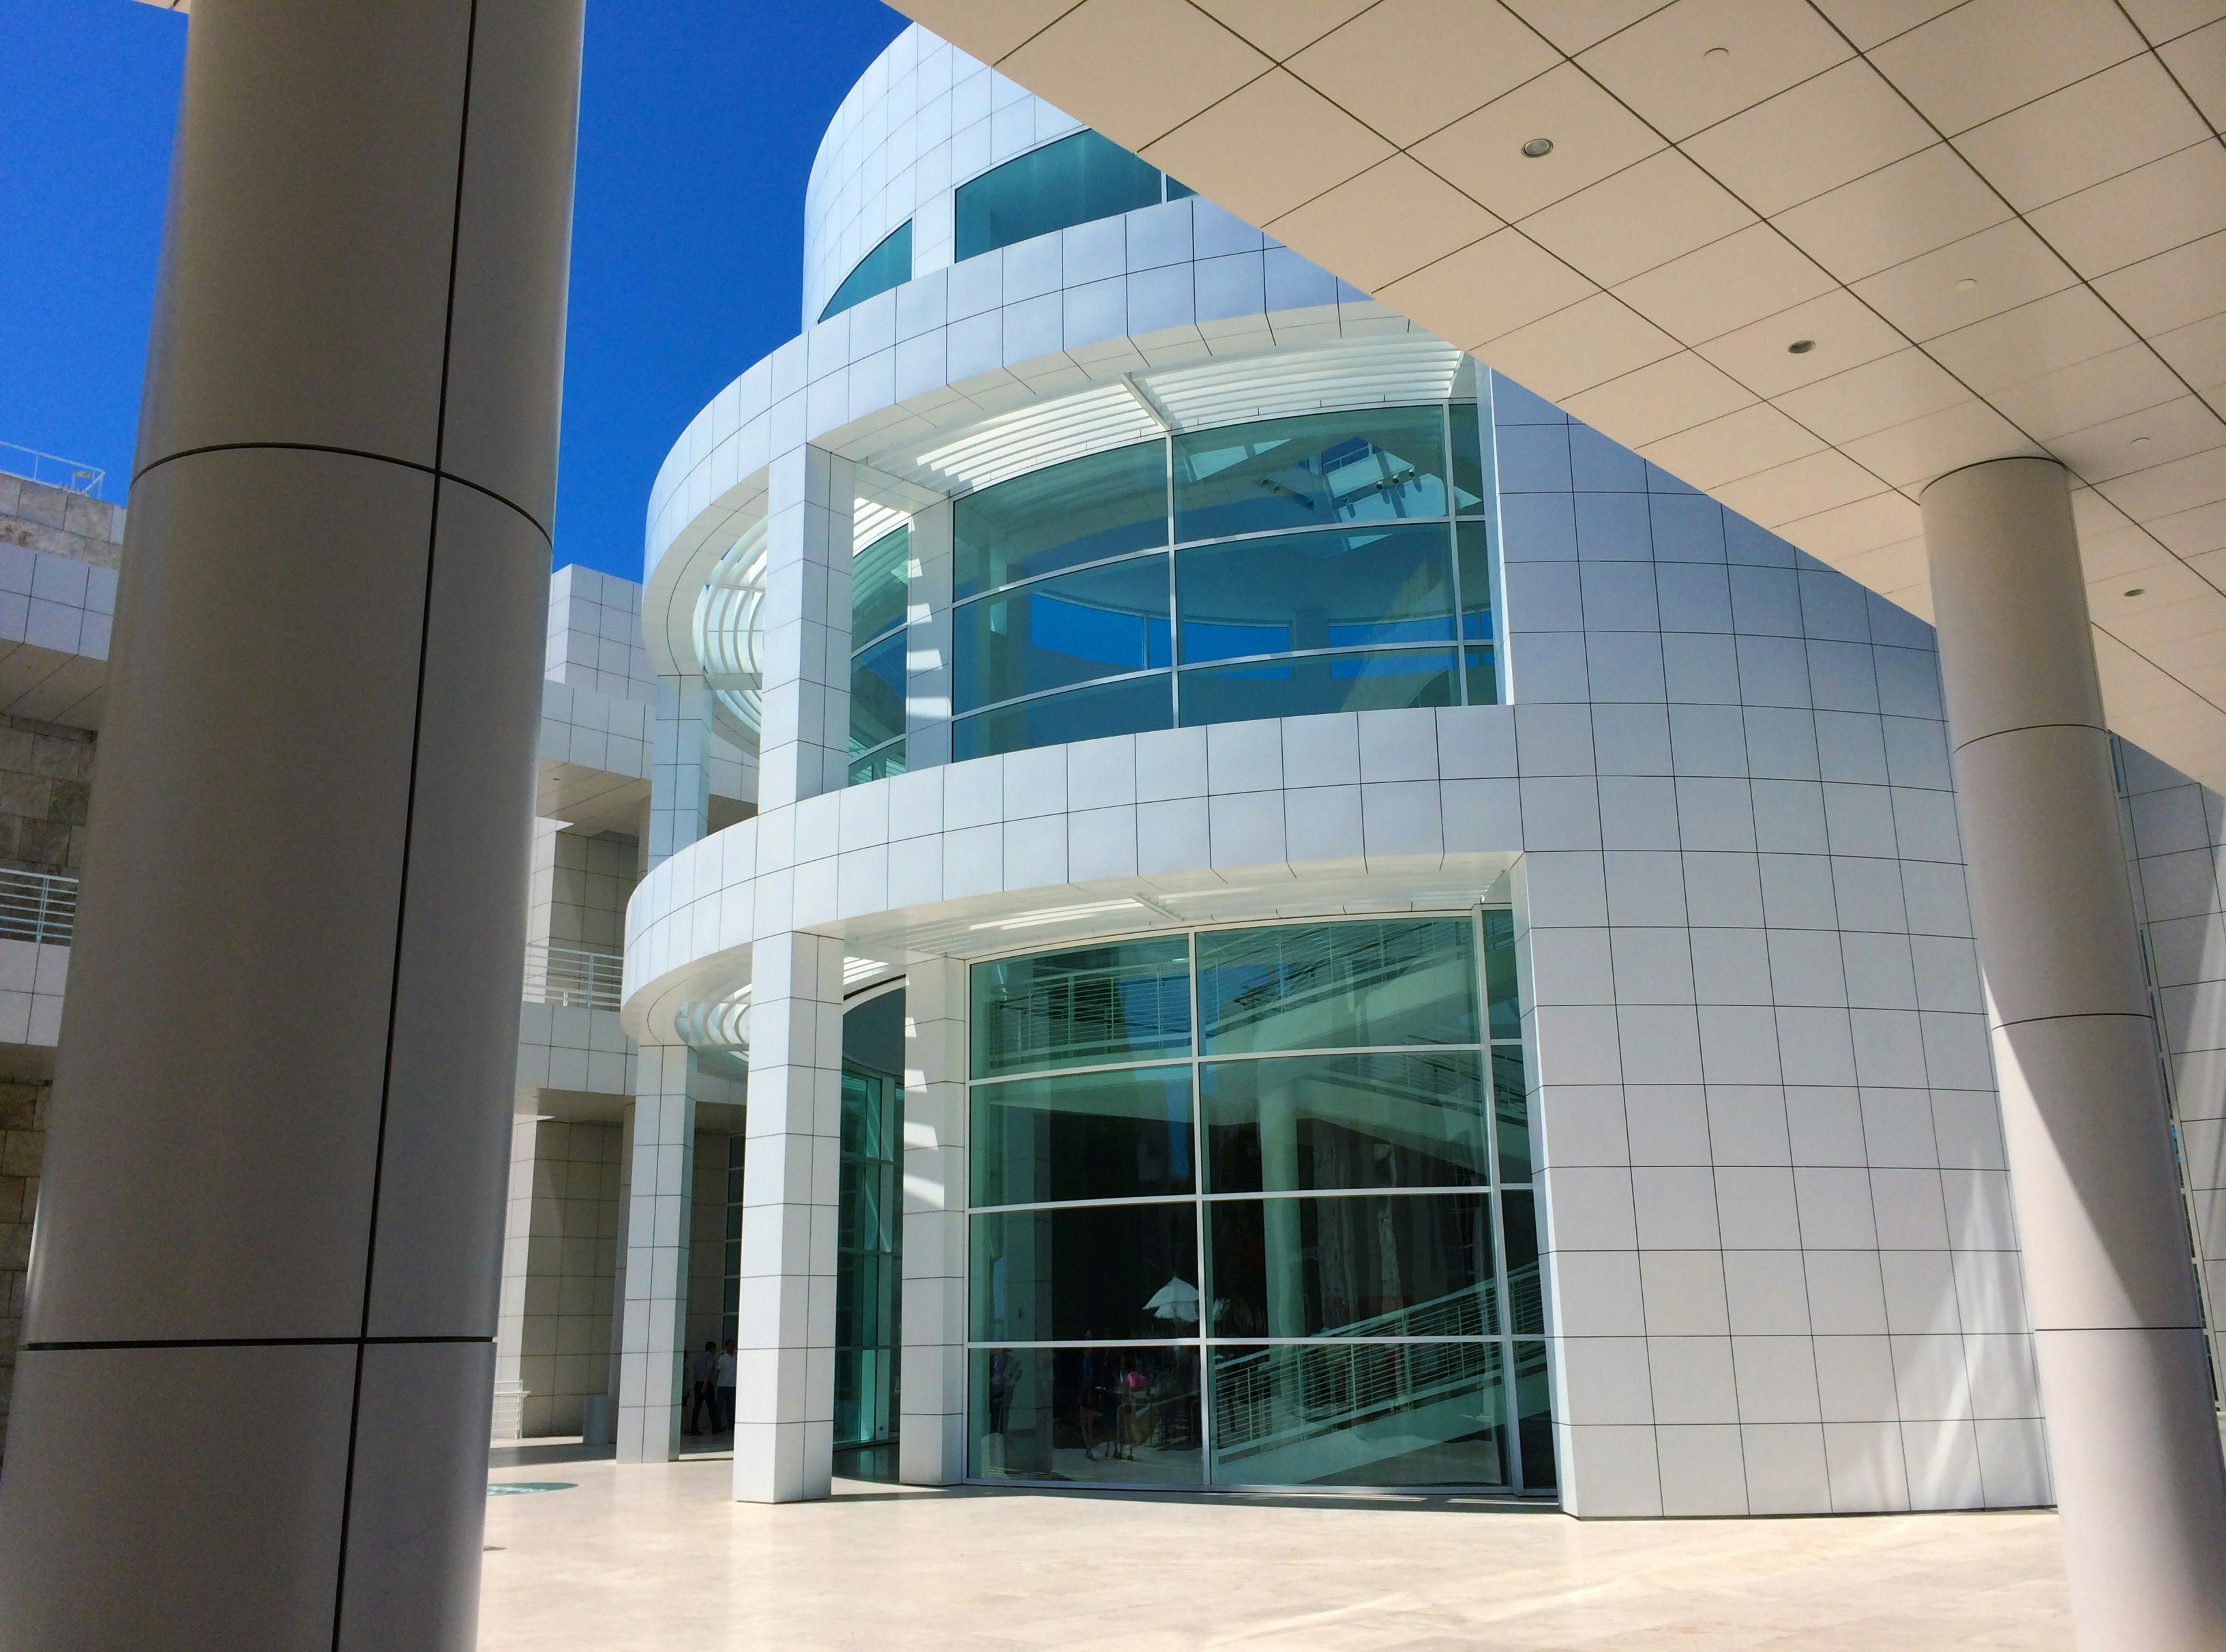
(2116, 1328)
(784, 1376)
(251, 1406)
(659, 1195)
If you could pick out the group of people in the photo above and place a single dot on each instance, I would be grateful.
(711, 1388)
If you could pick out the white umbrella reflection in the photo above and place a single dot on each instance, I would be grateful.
(1176, 1299)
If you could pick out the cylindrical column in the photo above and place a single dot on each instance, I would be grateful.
(251, 1406)
(2117, 1332)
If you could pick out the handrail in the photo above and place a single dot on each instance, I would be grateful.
(40, 907)
(52, 470)
(573, 978)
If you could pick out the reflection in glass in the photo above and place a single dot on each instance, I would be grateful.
(1474, 547)
(1499, 989)
(1313, 591)
(877, 693)
(1060, 631)
(1077, 180)
(1360, 1414)
(1083, 510)
(1118, 1135)
(1470, 491)
(1534, 1410)
(1130, 706)
(878, 765)
(1526, 1308)
(1483, 678)
(1082, 1272)
(1086, 1006)
(1292, 1124)
(888, 265)
(1337, 986)
(1365, 1265)
(879, 586)
(1511, 1105)
(1314, 684)
(869, 1234)
(1371, 464)
(1117, 1415)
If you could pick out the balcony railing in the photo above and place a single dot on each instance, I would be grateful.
(572, 978)
(38, 906)
(52, 469)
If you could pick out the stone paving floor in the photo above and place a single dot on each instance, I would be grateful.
(660, 1557)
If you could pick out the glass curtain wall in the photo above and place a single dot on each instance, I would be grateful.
(868, 1244)
(1253, 1207)
(879, 586)
(1334, 562)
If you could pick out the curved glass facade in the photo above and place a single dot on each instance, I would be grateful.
(887, 265)
(1331, 562)
(879, 588)
(1252, 1207)
(1076, 179)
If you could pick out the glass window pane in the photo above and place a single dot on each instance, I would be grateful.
(1096, 624)
(879, 586)
(1337, 986)
(1075, 180)
(1499, 989)
(1360, 1414)
(1526, 1310)
(1511, 1105)
(1084, 1273)
(1128, 707)
(1297, 1123)
(1087, 1006)
(1124, 1415)
(877, 693)
(1483, 679)
(1367, 1265)
(1084, 510)
(1470, 488)
(1085, 1136)
(1317, 683)
(1475, 581)
(887, 265)
(1534, 1408)
(877, 765)
(1314, 591)
(1375, 464)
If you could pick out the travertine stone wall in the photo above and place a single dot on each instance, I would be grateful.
(61, 523)
(45, 781)
(23, 1145)
(579, 888)
(560, 1256)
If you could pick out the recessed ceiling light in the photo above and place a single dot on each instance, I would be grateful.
(1968, 283)
(1800, 346)
(2140, 442)
(1538, 148)
(1717, 53)
(2137, 590)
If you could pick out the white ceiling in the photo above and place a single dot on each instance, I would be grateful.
(2001, 222)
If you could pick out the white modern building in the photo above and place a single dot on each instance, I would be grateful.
(1232, 899)
(1431, 951)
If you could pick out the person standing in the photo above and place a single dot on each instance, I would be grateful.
(703, 1370)
(723, 1377)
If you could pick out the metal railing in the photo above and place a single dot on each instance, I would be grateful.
(573, 978)
(52, 469)
(38, 906)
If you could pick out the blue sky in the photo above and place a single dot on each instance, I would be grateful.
(697, 125)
